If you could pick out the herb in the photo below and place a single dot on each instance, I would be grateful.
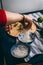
(15, 24)
(40, 19)
(20, 27)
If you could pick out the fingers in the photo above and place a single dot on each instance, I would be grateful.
(8, 28)
(27, 22)
(29, 17)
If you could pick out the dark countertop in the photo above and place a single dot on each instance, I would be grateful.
(7, 42)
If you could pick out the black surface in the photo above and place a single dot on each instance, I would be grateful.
(33, 12)
(36, 59)
(7, 41)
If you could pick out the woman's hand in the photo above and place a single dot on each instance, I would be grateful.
(8, 28)
(27, 22)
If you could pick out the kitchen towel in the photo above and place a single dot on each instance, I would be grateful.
(37, 46)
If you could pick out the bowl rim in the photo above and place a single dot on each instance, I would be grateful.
(14, 46)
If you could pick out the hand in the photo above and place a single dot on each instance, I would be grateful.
(8, 28)
(27, 22)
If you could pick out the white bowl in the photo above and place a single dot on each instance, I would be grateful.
(20, 50)
(26, 37)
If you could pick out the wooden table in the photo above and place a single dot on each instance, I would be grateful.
(24, 64)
